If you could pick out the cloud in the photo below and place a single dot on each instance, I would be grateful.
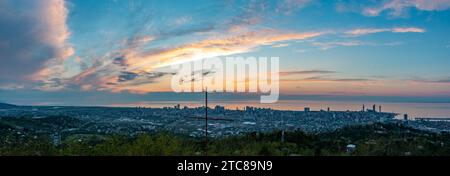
(366, 31)
(81, 63)
(318, 76)
(182, 20)
(120, 61)
(325, 79)
(127, 76)
(131, 60)
(33, 36)
(132, 78)
(289, 6)
(442, 81)
(305, 72)
(164, 34)
(350, 80)
(281, 45)
(135, 67)
(334, 44)
(329, 45)
(213, 47)
(397, 8)
(410, 29)
(138, 41)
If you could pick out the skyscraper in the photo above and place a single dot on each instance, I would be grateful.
(307, 109)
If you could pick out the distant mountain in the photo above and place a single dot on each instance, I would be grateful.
(4, 105)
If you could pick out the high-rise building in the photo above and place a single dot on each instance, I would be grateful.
(219, 109)
(249, 109)
(307, 109)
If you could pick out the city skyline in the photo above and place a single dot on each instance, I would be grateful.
(68, 52)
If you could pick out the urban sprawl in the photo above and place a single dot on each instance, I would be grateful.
(65, 121)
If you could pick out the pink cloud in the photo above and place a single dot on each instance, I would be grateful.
(366, 31)
(398, 7)
(410, 29)
(35, 38)
(140, 63)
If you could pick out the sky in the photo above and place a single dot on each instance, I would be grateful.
(118, 51)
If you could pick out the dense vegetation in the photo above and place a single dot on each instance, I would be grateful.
(377, 139)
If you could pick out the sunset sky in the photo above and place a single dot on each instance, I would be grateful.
(65, 52)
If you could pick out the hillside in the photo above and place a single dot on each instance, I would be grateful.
(5, 105)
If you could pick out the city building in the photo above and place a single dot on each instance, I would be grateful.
(307, 109)
(350, 148)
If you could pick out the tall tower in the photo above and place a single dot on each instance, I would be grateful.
(364, 108)
(373, 108)
(206, 121)
(379, 108)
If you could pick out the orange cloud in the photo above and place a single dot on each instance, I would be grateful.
(40, 39)
(138, 63)
(210, 48)
(53, 15)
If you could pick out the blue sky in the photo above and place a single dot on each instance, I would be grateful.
(57, 48)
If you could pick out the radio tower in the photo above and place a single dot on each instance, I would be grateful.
(206, 121)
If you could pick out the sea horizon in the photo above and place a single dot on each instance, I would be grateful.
(413, 109)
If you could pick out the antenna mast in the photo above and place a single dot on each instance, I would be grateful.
(206, 121)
